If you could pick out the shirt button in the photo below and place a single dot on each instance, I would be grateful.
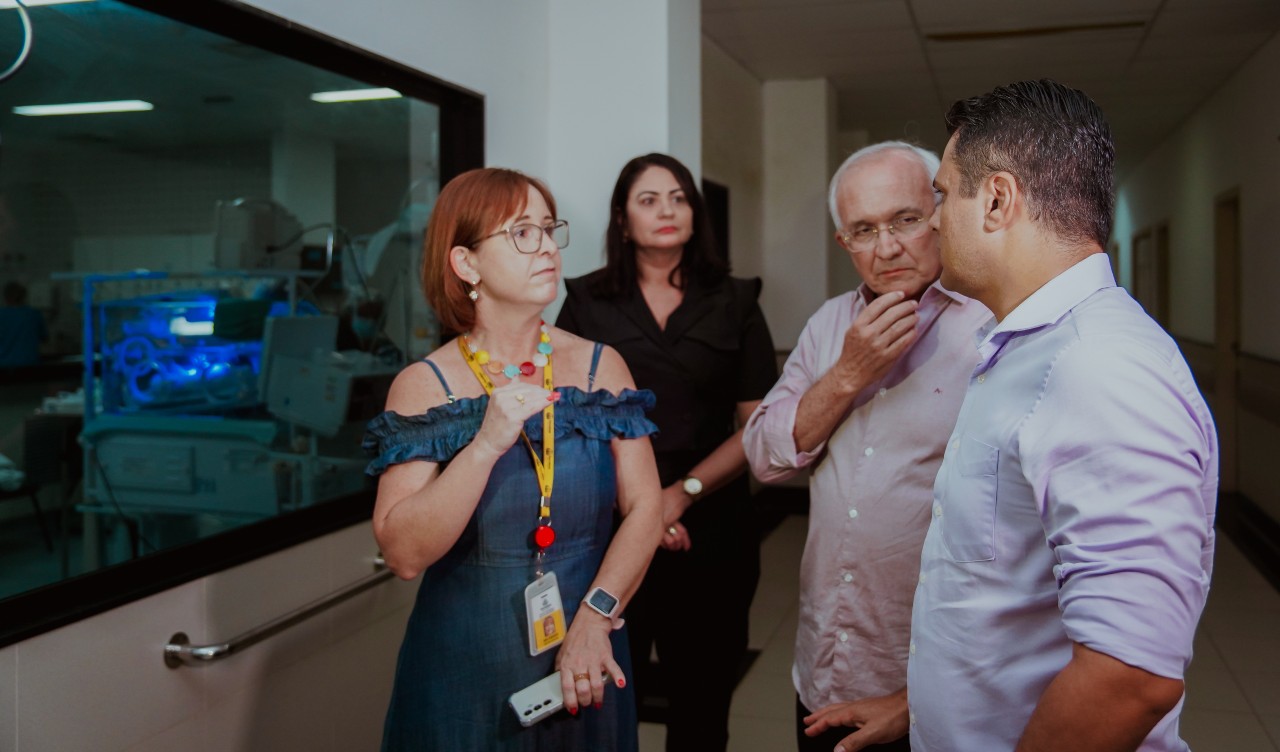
(955, 445)
(922, 577)
(912, 649)
(937, 510)
(912, 717)
(844, 637)
(882, 392)
(848, 577)
(853, 513)
(868, 451)
(982, 377)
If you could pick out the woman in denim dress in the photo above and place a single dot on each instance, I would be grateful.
(459, 499)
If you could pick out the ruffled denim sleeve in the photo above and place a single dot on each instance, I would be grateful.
(441, 432)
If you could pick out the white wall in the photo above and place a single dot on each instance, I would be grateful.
(487, 46)
(623, 82)
(733, 151)
(799, 136)
(1229, 142)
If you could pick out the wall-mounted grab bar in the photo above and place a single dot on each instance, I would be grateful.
(180, 651)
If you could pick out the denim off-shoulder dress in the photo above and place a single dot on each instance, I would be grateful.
(466, 647)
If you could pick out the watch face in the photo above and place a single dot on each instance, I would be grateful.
(603, 601)
(692, 486)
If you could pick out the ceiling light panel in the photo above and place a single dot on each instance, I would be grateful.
(354, 95)
(84, 108)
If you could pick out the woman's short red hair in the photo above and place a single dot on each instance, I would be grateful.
(471, 206)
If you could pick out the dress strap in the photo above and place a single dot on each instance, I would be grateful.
(447, 392)
(595, 361)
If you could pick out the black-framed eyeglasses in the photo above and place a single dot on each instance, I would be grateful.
(864, 237)
(527, 238)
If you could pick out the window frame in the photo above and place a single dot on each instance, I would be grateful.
(33, 612)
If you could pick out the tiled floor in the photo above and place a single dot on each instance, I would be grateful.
(1233, 687)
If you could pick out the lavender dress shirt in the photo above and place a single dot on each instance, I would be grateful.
(870, 491)
(1075, 503)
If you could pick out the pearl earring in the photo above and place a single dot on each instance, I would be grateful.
(474, 294)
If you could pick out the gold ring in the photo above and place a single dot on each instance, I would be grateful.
(672, 530)
(520, 398)
(582, 677)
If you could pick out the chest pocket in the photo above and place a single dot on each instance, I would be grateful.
(969, 502)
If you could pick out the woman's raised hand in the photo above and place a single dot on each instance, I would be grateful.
(509, 407)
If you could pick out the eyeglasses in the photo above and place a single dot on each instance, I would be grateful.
(865, 237)
(528, 238)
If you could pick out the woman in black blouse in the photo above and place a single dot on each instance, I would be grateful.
(697, 338)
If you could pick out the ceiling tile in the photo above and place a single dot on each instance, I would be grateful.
(981, 15)
(1146, 79)
(834, 48)
(718, 5)
(1229, 47)
(1113, 48)
(1212, 21)
(831, 18)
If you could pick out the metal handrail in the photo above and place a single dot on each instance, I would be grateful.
(180, 652)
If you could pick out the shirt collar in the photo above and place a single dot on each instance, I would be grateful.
(1058, 296)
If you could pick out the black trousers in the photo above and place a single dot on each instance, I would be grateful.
(693, 608)
(827, 740)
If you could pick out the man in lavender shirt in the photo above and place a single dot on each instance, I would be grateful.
(865, 404)
(1070, 552)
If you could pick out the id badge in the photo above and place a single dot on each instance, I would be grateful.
(545, 613)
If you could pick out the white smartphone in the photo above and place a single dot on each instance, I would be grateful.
(538, 700)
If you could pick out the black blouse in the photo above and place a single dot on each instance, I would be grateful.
(714, 353)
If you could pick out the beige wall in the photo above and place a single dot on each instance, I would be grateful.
(1228, 143)
(799, 137)
(733, 151)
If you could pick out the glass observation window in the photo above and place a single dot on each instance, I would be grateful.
(209, 255)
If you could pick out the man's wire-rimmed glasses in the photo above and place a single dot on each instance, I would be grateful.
(864, 238)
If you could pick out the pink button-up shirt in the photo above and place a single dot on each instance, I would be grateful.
(871, 489)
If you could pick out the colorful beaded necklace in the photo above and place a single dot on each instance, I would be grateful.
(539, 360)
(545, 467)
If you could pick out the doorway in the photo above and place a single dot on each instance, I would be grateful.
(1151, 272)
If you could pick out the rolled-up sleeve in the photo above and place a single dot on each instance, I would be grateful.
(1122, 460)
(769, 438)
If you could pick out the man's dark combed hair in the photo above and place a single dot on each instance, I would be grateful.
(699, 262)
(1056, 143)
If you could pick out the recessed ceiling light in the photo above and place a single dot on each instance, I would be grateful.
(10, 4)
(83, 108)
(355, 95)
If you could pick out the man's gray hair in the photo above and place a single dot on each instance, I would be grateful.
(928, 160)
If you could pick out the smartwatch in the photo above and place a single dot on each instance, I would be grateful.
(603, 602)
(691, 486)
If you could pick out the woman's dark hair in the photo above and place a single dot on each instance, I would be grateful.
(699, 262)
(1054, 140)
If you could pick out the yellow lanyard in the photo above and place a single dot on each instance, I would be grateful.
(546, 466)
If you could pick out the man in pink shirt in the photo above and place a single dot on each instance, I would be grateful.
(866, 403)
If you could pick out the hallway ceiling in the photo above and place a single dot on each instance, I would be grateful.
(897, 65)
